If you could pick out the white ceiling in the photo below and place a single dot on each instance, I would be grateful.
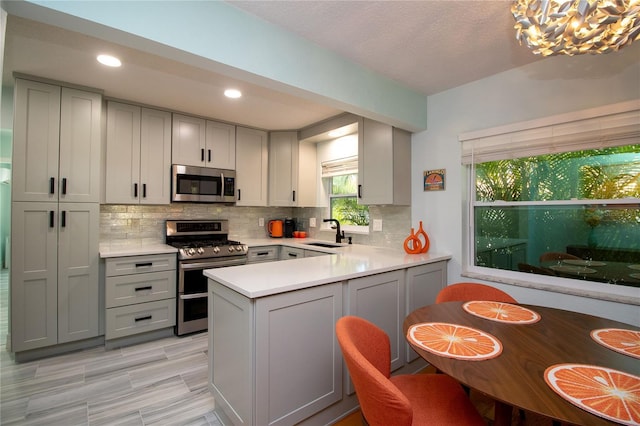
(429, 46)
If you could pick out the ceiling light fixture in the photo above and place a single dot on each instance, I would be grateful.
(108, 60)
(573, 27)
(232, 93)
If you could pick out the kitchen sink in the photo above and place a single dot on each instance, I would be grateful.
(327, 245)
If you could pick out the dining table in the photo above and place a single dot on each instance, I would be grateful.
(514, 376)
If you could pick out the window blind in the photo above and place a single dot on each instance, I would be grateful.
(614, 125)
(342, 166)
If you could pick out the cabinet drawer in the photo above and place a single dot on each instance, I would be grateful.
(262, 254)
(139, 288)
(140, 264)
(287, 253)
(133, 319)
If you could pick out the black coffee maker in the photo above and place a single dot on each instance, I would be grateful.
(289, 227)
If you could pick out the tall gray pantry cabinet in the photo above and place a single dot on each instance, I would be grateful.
(55, 215)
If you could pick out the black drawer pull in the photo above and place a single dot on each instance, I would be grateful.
(148, 317)
(140, 265)
(52, 185)
(51, 222)
(293, 255)
(144, 288)
(64, 186)
(262, 253)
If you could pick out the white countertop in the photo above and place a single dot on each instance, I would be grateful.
(133, 248)
(350, 261)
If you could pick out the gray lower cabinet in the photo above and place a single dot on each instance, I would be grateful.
(54, 277)
(423, 283)
(275, 360)
(288, 253)
(263, 254)
(288, 333)
(140, 294)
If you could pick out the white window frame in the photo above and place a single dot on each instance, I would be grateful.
(340, 167)
(611, 125)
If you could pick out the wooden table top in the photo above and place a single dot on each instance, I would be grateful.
(516, 376)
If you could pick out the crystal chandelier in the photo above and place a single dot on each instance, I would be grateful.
(572, 27)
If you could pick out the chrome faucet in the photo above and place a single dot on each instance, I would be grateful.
(339, 235)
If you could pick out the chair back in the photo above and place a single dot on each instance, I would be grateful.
(464, 292)
(367, 353)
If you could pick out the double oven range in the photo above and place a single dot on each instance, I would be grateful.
(201, 244)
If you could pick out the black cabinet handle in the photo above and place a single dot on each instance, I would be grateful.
(148, 317)
(293, 255)
(64, 186)
(144, 190)
(359, 191)
(294, 196)
(135, 190)
(262, 253)
(202, 154)
(63, 218)
(239, 197)
(51, 222)
(209, 155)
(144, 288)
(140, 265)
(52, 185)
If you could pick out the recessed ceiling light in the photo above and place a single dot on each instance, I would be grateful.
(108, 60)
(232, 93)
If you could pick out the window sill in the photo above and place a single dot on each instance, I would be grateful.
(590, 289)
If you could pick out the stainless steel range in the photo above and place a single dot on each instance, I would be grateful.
(201, 244)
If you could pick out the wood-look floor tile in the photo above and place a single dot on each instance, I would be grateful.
(189, 345)
(53, 383)
(12, 410)
(166, 369)
(99, 368)
(198, 378)
(181, 411)
(96, 391)
(127, 404)
(75, 415)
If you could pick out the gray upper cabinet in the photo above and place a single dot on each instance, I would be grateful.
(292, 171)
(384, 164)
(252, 160)
(204, 143)
(138, 155)
(56, 153)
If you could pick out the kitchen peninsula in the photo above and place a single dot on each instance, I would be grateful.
(273, 355)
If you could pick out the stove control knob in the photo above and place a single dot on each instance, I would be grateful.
(191, 251)
(200, 250)
(231, 249)
(216, 249)
(238, 248)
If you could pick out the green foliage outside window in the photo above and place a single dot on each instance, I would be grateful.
(344, 201)
(555, 201)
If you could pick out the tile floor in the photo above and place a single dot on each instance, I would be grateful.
(162, 382)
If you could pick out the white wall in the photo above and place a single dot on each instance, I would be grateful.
(550, 86)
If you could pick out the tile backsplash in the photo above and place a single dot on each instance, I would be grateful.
(147, 223)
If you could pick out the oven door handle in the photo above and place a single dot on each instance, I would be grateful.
(193, 296)
(240, 260)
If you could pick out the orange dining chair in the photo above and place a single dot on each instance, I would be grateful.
(554, 256)
(465, 292)
(402, 400)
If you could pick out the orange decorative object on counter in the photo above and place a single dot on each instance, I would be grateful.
(412, 244)
(425, 245)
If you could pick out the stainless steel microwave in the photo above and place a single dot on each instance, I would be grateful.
(202, 184)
